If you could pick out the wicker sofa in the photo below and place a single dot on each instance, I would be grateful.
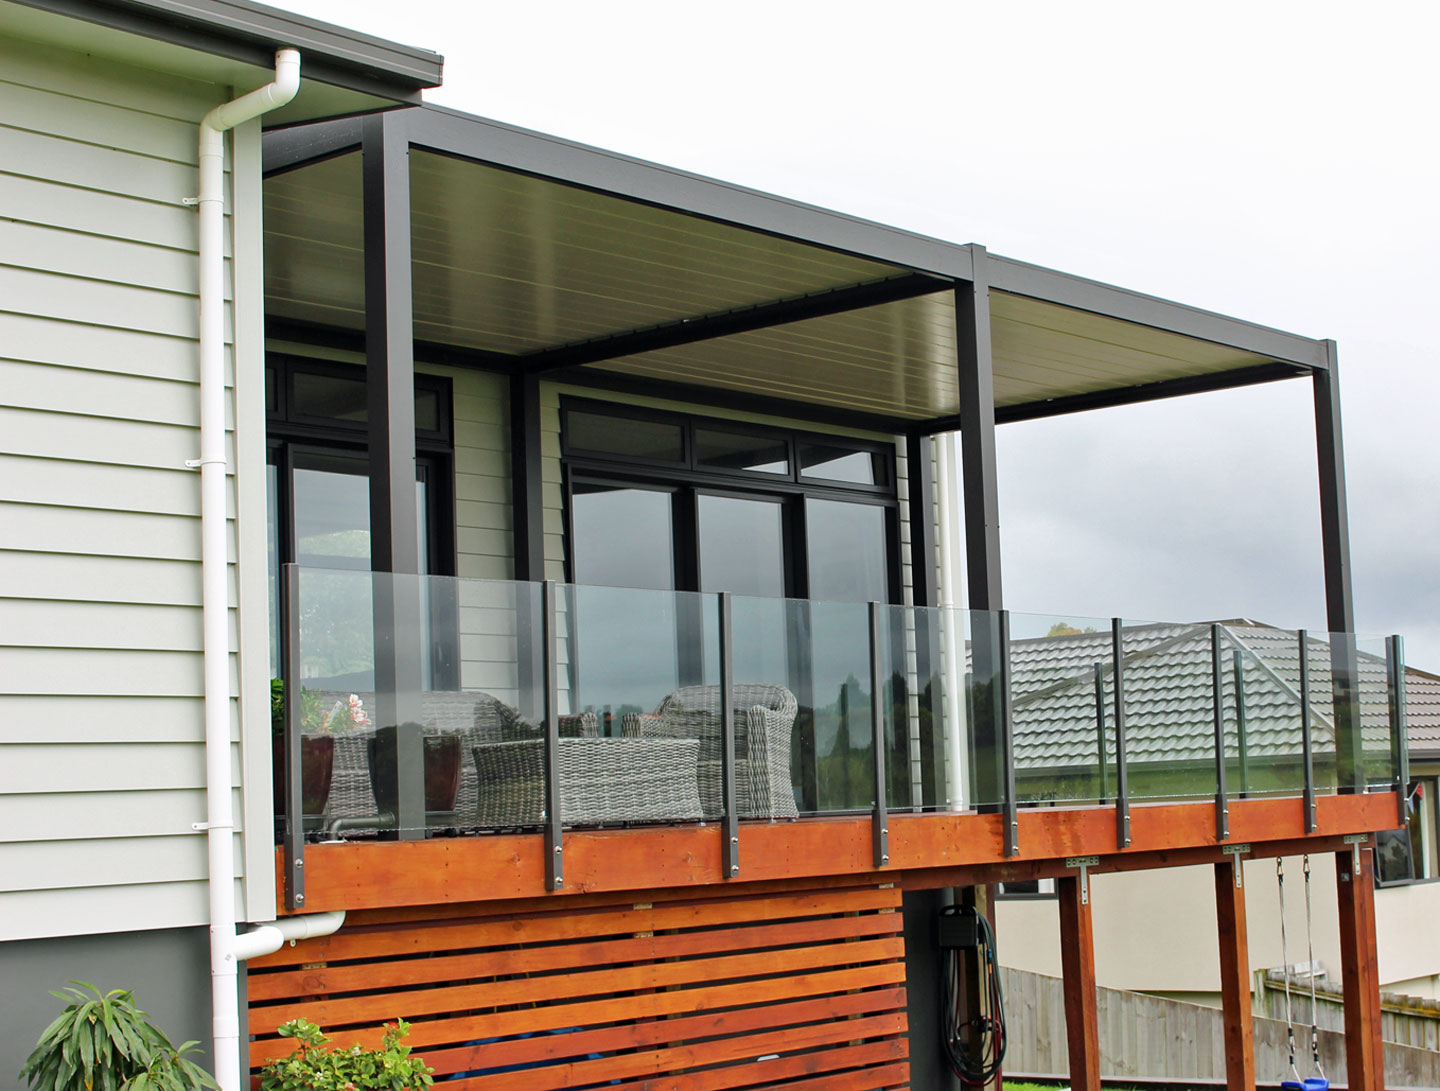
(476, 717)
(764, 722)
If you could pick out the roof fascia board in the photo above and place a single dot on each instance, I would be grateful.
(250, 33)
(1051, 286)
(449, 132)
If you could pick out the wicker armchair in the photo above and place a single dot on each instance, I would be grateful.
(764, 721)
(474, 716)
(602, 781)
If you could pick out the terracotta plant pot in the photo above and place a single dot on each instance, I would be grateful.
(317, 765)
(442, 770)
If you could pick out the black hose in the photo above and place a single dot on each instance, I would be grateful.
(976, 1049)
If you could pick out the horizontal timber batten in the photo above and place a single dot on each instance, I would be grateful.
(496, 867)
(733, 987)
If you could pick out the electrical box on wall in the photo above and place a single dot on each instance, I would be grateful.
(957, 930)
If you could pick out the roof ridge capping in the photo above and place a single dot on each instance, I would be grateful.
(250, 32)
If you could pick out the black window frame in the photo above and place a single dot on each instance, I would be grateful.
(687, 481)
(288, 433)
(1423, 853)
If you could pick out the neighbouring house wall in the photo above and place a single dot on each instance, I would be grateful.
(1155, 930)
(158, 966)
(102, 772)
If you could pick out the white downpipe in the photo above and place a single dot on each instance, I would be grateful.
(225, 946)
(946, 477)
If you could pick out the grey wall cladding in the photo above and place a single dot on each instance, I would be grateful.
(167, 970)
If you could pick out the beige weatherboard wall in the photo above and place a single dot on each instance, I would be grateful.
(100, 669)
(1155, 931)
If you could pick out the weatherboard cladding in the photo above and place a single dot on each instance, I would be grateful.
(1169, 695)
(100, 645)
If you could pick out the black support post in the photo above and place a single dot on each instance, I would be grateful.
(1306, 742)
(554, 831)
(977, 438)
(1007, 741)
(1241, 725)
(1339, 599)
(294, 831)
(1122, 766)
(1399, 728)
(390, 388)
(879, 818)
(1100, 731)
(729, 823)
(980, 501)
(1217, 689)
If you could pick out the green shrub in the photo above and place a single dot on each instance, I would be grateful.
(106, 1043)
(315, 1065)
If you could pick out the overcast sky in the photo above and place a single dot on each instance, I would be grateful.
(1276, 162)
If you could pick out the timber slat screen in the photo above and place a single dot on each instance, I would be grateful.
(773, 987)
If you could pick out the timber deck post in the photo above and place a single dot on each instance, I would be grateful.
(1360, 969)
(1077, 962)
(1235, 975)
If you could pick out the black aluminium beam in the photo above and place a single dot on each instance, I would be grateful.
(1128, 395)
(390, 398)
(1334, 520)
(283, 150)
(707, 327)
(389, 348)
(980, 481)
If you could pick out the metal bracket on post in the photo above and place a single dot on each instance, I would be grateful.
(729, 823)
(1122, 767)
(1305, 738)
(1007, 739)
(554, 831)
(1237, 851)
(880, 816)
(1355, 840)
(1399, 728)
(294, 878)
(1084, 863)
(1217, 682)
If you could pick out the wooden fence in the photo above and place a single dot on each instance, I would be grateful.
(1147, 1037)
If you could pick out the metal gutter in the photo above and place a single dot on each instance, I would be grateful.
(251, 33)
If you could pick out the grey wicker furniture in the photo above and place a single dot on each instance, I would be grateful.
(602, 781)
(474, 716)
(764, 721)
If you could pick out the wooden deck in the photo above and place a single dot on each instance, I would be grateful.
(926, 850)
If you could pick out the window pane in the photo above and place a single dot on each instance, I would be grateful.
(742, 551)
(741, 548)
(332, 512)
(427, 411)
(623, 537)
(333, 397)
(847, 551)
(624, 436)
(841, 464)
(735, 451)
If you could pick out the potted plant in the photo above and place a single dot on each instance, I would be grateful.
(442, 770)
(315, 1065)
(318, 726)
(106, 1043)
